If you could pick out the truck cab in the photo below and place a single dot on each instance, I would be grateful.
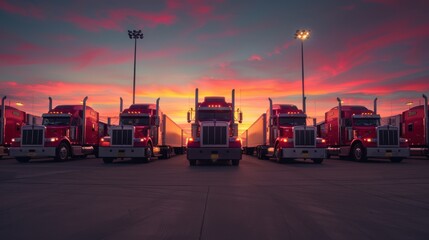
(214, 131)
(355, 131)
(143, 132)
(135, 136)
(289, 137)
(66, 131)
(11, 122)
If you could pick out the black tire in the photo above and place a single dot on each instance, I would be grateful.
(317, 160)
(358, 153)
(23, 159)
(108, 160)
(149, 154)
(258, 153)
(164, 153)
(192, 162)
(235, 162)
(62, 152)
(278, 155)
(396, 160)
(168, 153)
(263, 154)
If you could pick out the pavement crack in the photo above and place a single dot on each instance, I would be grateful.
(204, 213)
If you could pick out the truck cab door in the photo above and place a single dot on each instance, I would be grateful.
(75, 130)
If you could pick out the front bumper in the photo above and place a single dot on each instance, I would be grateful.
(3, 151)
(214, 153)
(388, 152)
(305, 153)
(121, 152)
(32, 152)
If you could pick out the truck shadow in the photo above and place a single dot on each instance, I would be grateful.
(208, 163)
(368, 161)
(53, 161)
(298, 163)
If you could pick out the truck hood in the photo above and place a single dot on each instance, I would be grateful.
(56, 131)
(365, 132)
(286, 132)
(141, 131)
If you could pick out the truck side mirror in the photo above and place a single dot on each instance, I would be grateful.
(271, 121)
(240, 117)
(189, 116)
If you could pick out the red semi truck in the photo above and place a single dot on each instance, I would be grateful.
(11, 121)
(66, 131)
(143, 132)
(282, 133)
(355, 131)
(214, 131)
(413, 125)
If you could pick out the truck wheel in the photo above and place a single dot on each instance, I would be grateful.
(278, 155)
(358, 153)
(23, 159)
(192, 162)
(396, 160)
(149, 153)
(261, 154)
(62, 153)
(166, 153)
(107, 160)
(235, 162)
(317, 160)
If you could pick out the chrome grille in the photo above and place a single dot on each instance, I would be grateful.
(122, 137)
(32, 137)
(214, 135)
(305, 137)
(388, 137)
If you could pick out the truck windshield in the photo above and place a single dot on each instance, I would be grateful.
(292, 121)
(135, 121)
(363, 122)
(56, 121)
(214, 115)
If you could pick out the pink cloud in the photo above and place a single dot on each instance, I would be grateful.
(27, 10)
(255, 57)
(116, 18)
(362, 49)
(280, 49)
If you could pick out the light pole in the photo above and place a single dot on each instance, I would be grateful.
(135, 34)
(302, 35)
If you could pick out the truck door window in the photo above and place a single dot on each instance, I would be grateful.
(410, 127)
(75, 122)
(348, 122)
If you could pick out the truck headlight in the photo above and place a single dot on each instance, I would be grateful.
(54, 139)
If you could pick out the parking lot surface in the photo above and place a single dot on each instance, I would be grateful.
(260, 199)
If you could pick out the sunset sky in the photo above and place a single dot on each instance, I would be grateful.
(358, 50)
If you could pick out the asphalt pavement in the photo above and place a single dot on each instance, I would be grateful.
(168, 199)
